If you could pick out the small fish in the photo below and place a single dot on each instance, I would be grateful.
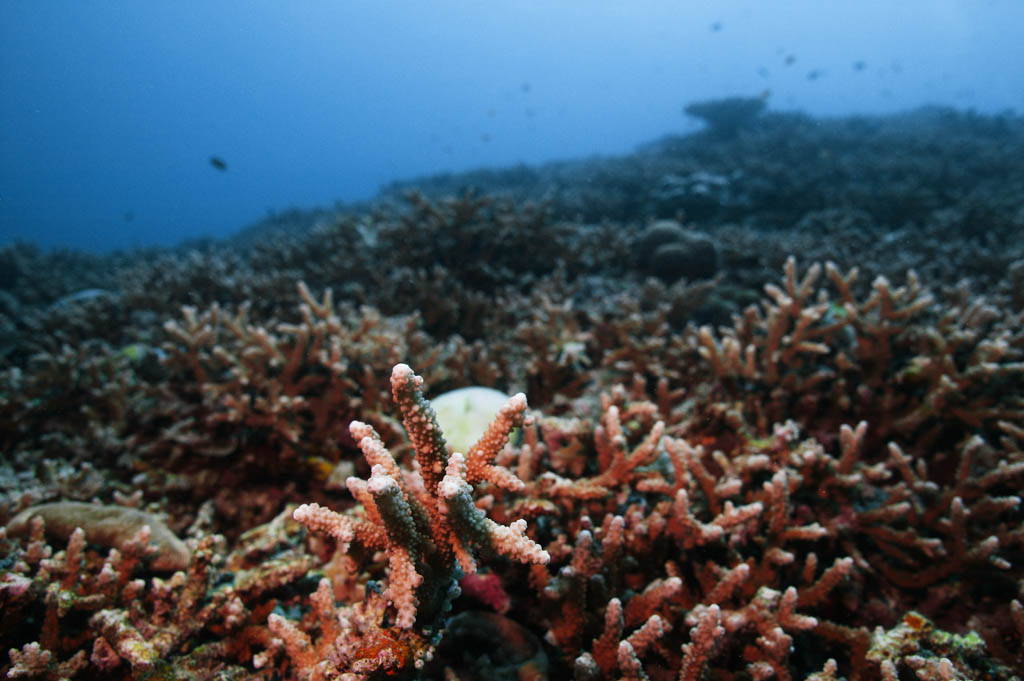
(716, 27)
(789, 60)
(815, 74)
(218, 163)
(859, 65)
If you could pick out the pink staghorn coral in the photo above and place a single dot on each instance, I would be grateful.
(424, 522)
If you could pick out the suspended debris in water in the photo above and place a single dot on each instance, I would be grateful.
(815, 74)
(859, 65)
(716, 27)
(218, 163)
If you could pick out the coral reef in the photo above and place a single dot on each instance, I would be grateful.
(714, 461)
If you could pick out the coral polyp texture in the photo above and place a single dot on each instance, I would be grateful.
(705, 458)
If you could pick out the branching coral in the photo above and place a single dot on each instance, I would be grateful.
(286, 389)
(425, 522)
(672, 545)
(655, 547)
(913, 369)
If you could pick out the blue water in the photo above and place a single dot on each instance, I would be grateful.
(110, 112)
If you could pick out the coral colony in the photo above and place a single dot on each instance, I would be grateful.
(715, 461)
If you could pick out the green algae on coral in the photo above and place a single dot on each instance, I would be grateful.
(917, 645)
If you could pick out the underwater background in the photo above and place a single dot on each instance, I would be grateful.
(511, 341)
(110, 113)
